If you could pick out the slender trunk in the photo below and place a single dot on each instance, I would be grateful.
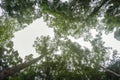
(11, 71)
(110, 71)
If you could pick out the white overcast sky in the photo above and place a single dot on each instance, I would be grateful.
(24, 39)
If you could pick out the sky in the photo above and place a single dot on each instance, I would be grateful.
(24, 39)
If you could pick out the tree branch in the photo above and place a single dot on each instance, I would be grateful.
(110, 71)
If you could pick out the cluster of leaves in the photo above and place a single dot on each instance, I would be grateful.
(72, 62)
(7, 27)
(68, 18)
(112, 15)
(77, 16)
(8, 56)
(24, 11)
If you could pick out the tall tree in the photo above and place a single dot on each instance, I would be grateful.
(72, 62)
(10, 70)
(69, 18)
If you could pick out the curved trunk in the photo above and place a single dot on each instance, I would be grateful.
(11, 71)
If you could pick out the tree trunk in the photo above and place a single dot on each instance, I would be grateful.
(11, 71)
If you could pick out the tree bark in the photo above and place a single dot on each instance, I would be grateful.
(11, 71)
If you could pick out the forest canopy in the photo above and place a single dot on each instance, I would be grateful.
(70, 18)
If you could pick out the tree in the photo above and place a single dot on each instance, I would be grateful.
(24, 11)
(8, 57)
(16, 68)
(69, 18)
(76, 62)
(11, 71)
(73, 62)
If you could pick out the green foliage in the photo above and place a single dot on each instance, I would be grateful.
(24, 11)
(112, 16)
(73, 62)
(8, 26)
(69, 18)
(27, 74)
(77, 17)
(9, 56)
(6, 29)
(44, 45)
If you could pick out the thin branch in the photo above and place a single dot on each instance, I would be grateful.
(110, 71)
